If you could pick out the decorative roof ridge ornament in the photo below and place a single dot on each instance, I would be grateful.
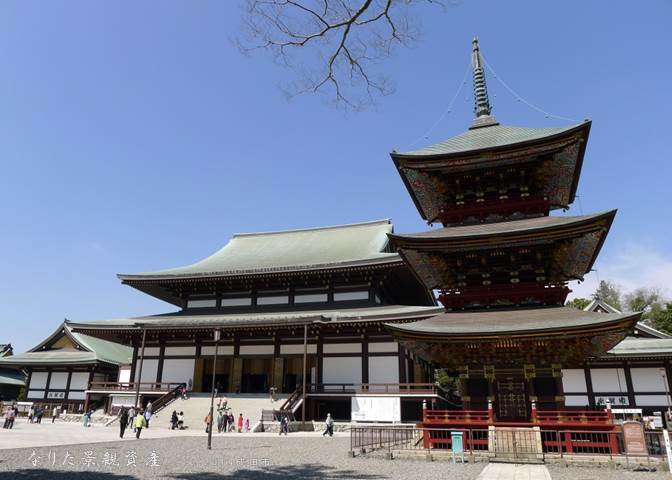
(482, 107)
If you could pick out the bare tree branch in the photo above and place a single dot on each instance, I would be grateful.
(347, 39)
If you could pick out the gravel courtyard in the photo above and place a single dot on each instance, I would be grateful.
(247, 458)
(242, 458)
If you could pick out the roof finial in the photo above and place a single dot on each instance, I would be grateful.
(482, 106)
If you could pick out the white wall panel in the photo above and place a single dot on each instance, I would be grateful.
(223, 350)
(35, 394)
(342, 348)
(342, 370)
(651, 400)
(379, 347)
(176, 371)
(576, 401)
(297, 349)
(257, 349)
(179, 351)
(58, 380)
(150, 351)
(574, 380)
(647, 380)
(79, 381)
(124, 375)
(608, 380)
(149, 369)
(383, 370)
(38, 380)
(76, 395)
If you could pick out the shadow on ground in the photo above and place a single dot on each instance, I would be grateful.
(301, 472)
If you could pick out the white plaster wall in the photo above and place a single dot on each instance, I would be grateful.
(647, 380)
(576, 401)
(123, 400)
(257, 349)
(150, 351)
(342, 348)
(149, 369)
(76, 395)
(608, 380)
(178, 370)
(297, 349)
(223, 350)
(38, 380)
(379, 347)
(179, 351)
(342, 370)
(383, 370)
(574, 380)
(58, 380)
(35, 393)
(79, 381)
(652, 400)
(124, 375)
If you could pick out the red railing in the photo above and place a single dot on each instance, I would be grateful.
(504, 442)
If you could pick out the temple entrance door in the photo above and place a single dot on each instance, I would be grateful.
(511, 400)
(256, 375)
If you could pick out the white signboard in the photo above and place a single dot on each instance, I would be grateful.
(56, 395)
(371, 408)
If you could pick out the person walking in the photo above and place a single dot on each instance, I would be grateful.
(131, 418)
(232, 423)
(240, 423)
(329, 426)
(284, 425)
(180, 420)
(140, 423)
(31, 414)
(39, 413)
(54, 414)
(220, 420)
(173, 420)
(247, 425)
(123, 422)
(208, 422)
(148, 415)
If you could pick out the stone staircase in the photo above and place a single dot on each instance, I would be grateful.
(197, 406)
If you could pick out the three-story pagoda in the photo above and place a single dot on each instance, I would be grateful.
(501, 262)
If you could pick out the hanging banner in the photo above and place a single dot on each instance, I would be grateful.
(370, 408)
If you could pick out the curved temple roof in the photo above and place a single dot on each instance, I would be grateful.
(488, 138)
(511, 228)
(292, 250)
(506, 322)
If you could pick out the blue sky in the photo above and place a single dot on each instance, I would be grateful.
(134, 136)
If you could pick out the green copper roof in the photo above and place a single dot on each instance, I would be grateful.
(179, 320)
(12, 377)
(501, 322)
(92, 350)
(292, 250)
(642, 347)
(488, 137)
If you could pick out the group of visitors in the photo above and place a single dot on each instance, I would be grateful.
(177, 421)
(35, 414)
(10, 415)
(137, 419)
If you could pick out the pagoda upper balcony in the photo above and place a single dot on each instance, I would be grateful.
(517, 262)
(495, 170)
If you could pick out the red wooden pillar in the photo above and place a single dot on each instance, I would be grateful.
(568, 442)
